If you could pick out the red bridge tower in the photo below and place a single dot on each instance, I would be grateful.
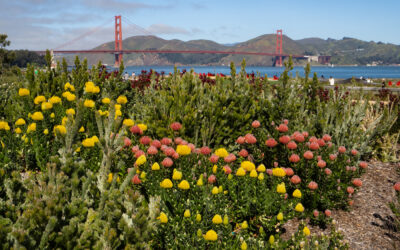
(279, 40)
(118, 40)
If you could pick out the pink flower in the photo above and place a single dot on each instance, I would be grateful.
(284, 139)
(332, 157)
(127, 142)
(227, 169)
(255, 124)
(314, 146)
(169, 151)
(292, 145)
(326, 137)
(312, 185)
(176, 126)
(289, 171)
(271, 142)
(286, 121)
(135, 149)
(354, 152)
(328, 171)
(348, 168)
(315, 213)
(330, 144)
(321, 164)
(240, 140)
(167, 162)
(152, 150)
(136, 180)
(313, 139)
(212, 179)
(175, 155)
(283, 128)
(363, 164)
(396, 186)
(350, 190)
(139, 153)
(243, 153)
(294, 158)
(321, 142)
(136, 130)
(295, 179)
(328, 212)
(305, 134)
(269, 171)
(250, 139)
(214, 158)
(308, 155)
(156, 143)
(191, 146)
(205, 150)
(357, 182)
(145, 140)
(342, 149)
(230, 158)
(178, 140)
(166, 141)
(183, 142)
(164, 147)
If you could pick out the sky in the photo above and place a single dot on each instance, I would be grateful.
(51, 24)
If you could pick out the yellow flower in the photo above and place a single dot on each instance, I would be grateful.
(226, 220)
(141, 160)
(261, 168)
(118, 113)
(95, 139)
(247, 165)
(271, 239)
(37, 116)
(199, 233)
(64, 120)
(61, 129)
(46, 131)
(52, 115)
(261, 176)
(78, 149)
(143, 175)
(128, 122)
(281, 188)
(71, 97)
(70, 111)
(105, 113)
(82, 129)
(299, 207)
(143, 127)
(186, 214)
(215, 190)
(306, 231)
(280, 216)
(177, 175)
(20, 122)
(243, 246)
(90, 83)
(211, 235)
(117, 107)
(69, 86)
(55, 100)
(198, 217)
(184, 185)
(39, 99)
(18, 131)
(297, 193)
(217, 219)
(5, 126)
(220, 189)
(88, 142)
(89, 103)
(23, 92)
(241, 172)
(215, 168)
(200, 181)
(122, 99)
(221, 152)
(183, 149)
(245, 225)
(89, 88)
(47, 105)
(253, 173)
(280, 172)
(166, 183)
(110, 178)
(163, 218)
(155, 167)
(106, 100)
(230, 176)
(31, 127)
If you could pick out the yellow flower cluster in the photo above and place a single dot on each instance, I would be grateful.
(217, 219)
(122, 99)
(47, 105)
(281, 188)
(89, 103)
(82, 129)
(186, 214)
(184, 185)
(299, 207)
(128, 122)
(306, 231)
(20, 122)
(221, 152)
(23, 92)
(18, 131)
(211, 235)
(106, 100)
(141, 160)
(183, 149)
(297, 193)
(261, 168)
(177, 175)
(70, 112)
(155, 166)
(68, 86)
(39, 99)
(241, 172)
(280, 172)
(37, 116)
(166, 183)
(103, 113)
(142, 126)
(55, 100)
(60, 129)
(247, 165)
(90, 142)
(90, 87)
(4, 126)
(69, 96)
(31, 127)
(163, 218)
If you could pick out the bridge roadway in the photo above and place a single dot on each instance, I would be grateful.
(169, 52)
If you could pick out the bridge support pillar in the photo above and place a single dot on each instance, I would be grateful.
(279, 41)
(118, 40)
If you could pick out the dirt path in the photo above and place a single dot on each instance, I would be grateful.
(368, 224)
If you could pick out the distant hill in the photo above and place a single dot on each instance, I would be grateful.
(344, 52)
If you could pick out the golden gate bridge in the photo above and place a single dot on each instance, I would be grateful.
(118, 51)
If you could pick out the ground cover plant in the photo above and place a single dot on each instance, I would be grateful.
(89, 160)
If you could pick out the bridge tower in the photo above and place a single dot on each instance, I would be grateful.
(118, 40)
(279, 40)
